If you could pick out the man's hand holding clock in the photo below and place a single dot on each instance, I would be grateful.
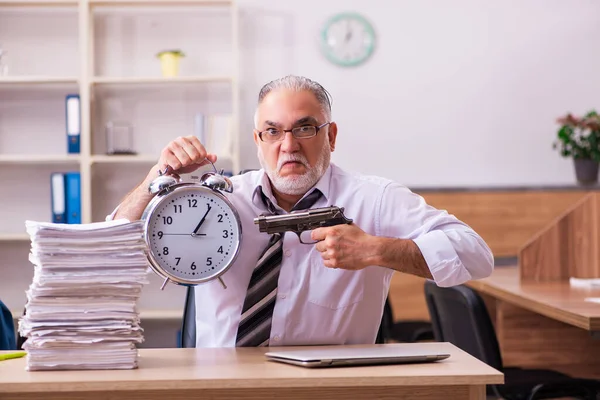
(184, 155)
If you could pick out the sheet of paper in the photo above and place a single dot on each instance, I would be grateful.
(589, 283)
(81, 310)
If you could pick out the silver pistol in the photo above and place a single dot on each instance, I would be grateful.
(302, 221)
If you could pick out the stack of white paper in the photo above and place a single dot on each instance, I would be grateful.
(81, 307)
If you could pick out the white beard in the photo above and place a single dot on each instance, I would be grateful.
(296, 184)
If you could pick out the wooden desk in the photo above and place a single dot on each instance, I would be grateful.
(543, 325)
(245, 374)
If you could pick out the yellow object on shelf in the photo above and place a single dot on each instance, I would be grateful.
(169, 62)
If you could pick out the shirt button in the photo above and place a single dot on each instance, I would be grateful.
(282, 296)
(288, 253)
(276, 338)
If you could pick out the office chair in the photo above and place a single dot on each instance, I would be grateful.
(406, 331)
(459, 316)
(7, 329)
(188, 328)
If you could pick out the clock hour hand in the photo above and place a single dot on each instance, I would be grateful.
(348, 32)
(195, 233)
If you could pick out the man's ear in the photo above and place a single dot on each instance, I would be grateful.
(256, 138)
(332, 135)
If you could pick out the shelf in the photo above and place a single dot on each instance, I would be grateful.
(35, 80)
(100, 80)
(160, 2)
(39, 3)
(116, 159)
(161, 314)
(16, 314)
(74, 3)
(14, 237)
(38, 159)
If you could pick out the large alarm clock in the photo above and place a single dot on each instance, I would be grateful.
(347, 39)
(192, 231)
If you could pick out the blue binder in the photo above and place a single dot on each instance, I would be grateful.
(57, 196)
(73, 123)
(73, 197)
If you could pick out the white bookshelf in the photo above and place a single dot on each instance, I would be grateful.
(123, 159)
(160, 80)
(39, 3)
(14, 237)
(30, 159)
(37, 80)
(92, 52)
(168, 3)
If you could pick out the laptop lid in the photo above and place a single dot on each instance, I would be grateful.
(328, 356)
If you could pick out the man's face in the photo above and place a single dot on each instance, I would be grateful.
(294, 165)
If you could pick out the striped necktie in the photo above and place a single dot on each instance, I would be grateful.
(257, 312)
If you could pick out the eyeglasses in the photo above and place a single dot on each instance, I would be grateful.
(300, 132)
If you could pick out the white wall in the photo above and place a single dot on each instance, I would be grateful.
(458, 93)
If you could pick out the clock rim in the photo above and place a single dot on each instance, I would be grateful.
(369, 28)
(156, 201)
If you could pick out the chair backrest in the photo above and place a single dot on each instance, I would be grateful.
(188, 328)
(7, 329)
(459, 316)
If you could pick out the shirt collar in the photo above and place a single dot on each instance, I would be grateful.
(263, 185)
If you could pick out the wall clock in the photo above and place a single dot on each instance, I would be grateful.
(347, 39)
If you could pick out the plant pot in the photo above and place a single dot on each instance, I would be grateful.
(169, 63)
(586, 171)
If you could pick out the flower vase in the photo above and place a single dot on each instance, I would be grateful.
(586, 171)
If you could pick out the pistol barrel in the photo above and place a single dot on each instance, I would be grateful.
(299, 221)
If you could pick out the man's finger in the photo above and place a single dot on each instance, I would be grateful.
(321, 247)
(319, 234)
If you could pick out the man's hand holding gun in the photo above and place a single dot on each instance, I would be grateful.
(302, 221)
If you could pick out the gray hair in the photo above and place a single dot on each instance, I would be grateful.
(297, 84)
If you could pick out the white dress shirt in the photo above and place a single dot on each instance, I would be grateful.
(317, 305)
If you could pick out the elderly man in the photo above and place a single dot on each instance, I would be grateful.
(282, 292)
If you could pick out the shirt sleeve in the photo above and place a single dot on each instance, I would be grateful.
(454, 252)
(111, 216)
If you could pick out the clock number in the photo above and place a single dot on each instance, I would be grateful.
(178, 259)
(167, 220)
(192, 203)
(160, 234)
(177, 207)
(165, 251)
(220, 250)
(220, 217)
(193, 266)
(225, 234)
(209, 261)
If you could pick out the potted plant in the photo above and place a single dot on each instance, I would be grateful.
(579, 138)
(169, 62)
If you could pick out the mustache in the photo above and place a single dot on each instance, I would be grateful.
(292, 158)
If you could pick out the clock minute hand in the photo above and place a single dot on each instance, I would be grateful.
(200, 223)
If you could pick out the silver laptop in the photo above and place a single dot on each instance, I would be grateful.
(336, 356)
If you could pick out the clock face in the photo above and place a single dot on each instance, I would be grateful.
(193, 234)
(348, 39)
